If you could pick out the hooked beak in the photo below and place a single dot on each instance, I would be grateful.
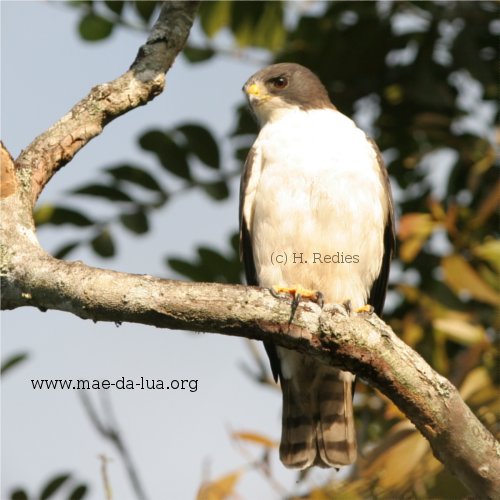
(253, 90)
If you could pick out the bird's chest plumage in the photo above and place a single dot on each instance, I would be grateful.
(318, 214)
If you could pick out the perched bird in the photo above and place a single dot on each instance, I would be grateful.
(315, 215)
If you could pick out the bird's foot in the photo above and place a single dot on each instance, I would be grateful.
(298, 293)
(367, 308)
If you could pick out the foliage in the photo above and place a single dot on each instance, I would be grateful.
(422, 78)
(61, 484)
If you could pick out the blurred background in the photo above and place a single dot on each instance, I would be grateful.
(157, 193)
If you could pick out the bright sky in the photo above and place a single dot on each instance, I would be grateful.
(174, 437)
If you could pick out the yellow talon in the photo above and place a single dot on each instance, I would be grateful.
(367, 308)
(298, 292)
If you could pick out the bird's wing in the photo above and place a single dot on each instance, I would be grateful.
(379, 287)
(249, 181)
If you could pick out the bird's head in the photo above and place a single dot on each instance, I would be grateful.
(281, 87)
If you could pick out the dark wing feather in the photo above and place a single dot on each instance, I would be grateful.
(246, 255)
(379, 287)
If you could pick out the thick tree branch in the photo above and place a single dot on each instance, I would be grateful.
(360, 343)
(142, 82)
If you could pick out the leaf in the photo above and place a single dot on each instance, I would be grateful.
(414, 230)
(135, 175)
(171, 155)
(197, 54)
(220, 489)
(217, 190)
(412, 331)
(136, 222)
(475, 381)
(115, 6)
(93, 27)
(145, 8)
(461, 277)
(488, 207)
(184, 268)
(79, 492)
(214, 16)
(103, 244)
(414, 224)
(13, 361)
(400, 457)
(255, 438)
(19, 494)
(258, 24)
(490, 252)
(270, 32)
(48, 214)
(241, 154)
(66, 249)
(201, 143)
(101, 191)
(53, 485)
(460, 331)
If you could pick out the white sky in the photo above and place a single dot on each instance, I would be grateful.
(173, 436)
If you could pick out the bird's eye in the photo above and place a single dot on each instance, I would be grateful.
(280, 82)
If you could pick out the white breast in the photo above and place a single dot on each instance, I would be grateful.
(318, 200)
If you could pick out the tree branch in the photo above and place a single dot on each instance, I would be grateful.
(141, 83)
(361, 343)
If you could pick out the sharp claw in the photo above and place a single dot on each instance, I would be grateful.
(348, 306)
(295, 304)
(320, 299)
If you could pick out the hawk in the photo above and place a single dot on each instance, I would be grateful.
(315, 193)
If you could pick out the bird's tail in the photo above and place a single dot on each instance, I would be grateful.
(318, 422)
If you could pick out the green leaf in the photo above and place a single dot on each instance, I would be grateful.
(214, 16)
(234, 241)
(245, 124)
(184, 268)
(135, 175)
(13, 361)
(115, 6)
(241, 154)
(271, 32)
(79, 492)
(217, 190)
(66, 249)
(47, 214)
(145, 8)
(19, 494)
(222, 269)
(103, 244)
(171, 155)
(201, 143)
(101, 191)
(258, 24)
(93, 27)
(197, 54)
(210, 265)
(136, 222)
(53, 485)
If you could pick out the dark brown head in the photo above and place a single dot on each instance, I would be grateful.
(284, 86)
